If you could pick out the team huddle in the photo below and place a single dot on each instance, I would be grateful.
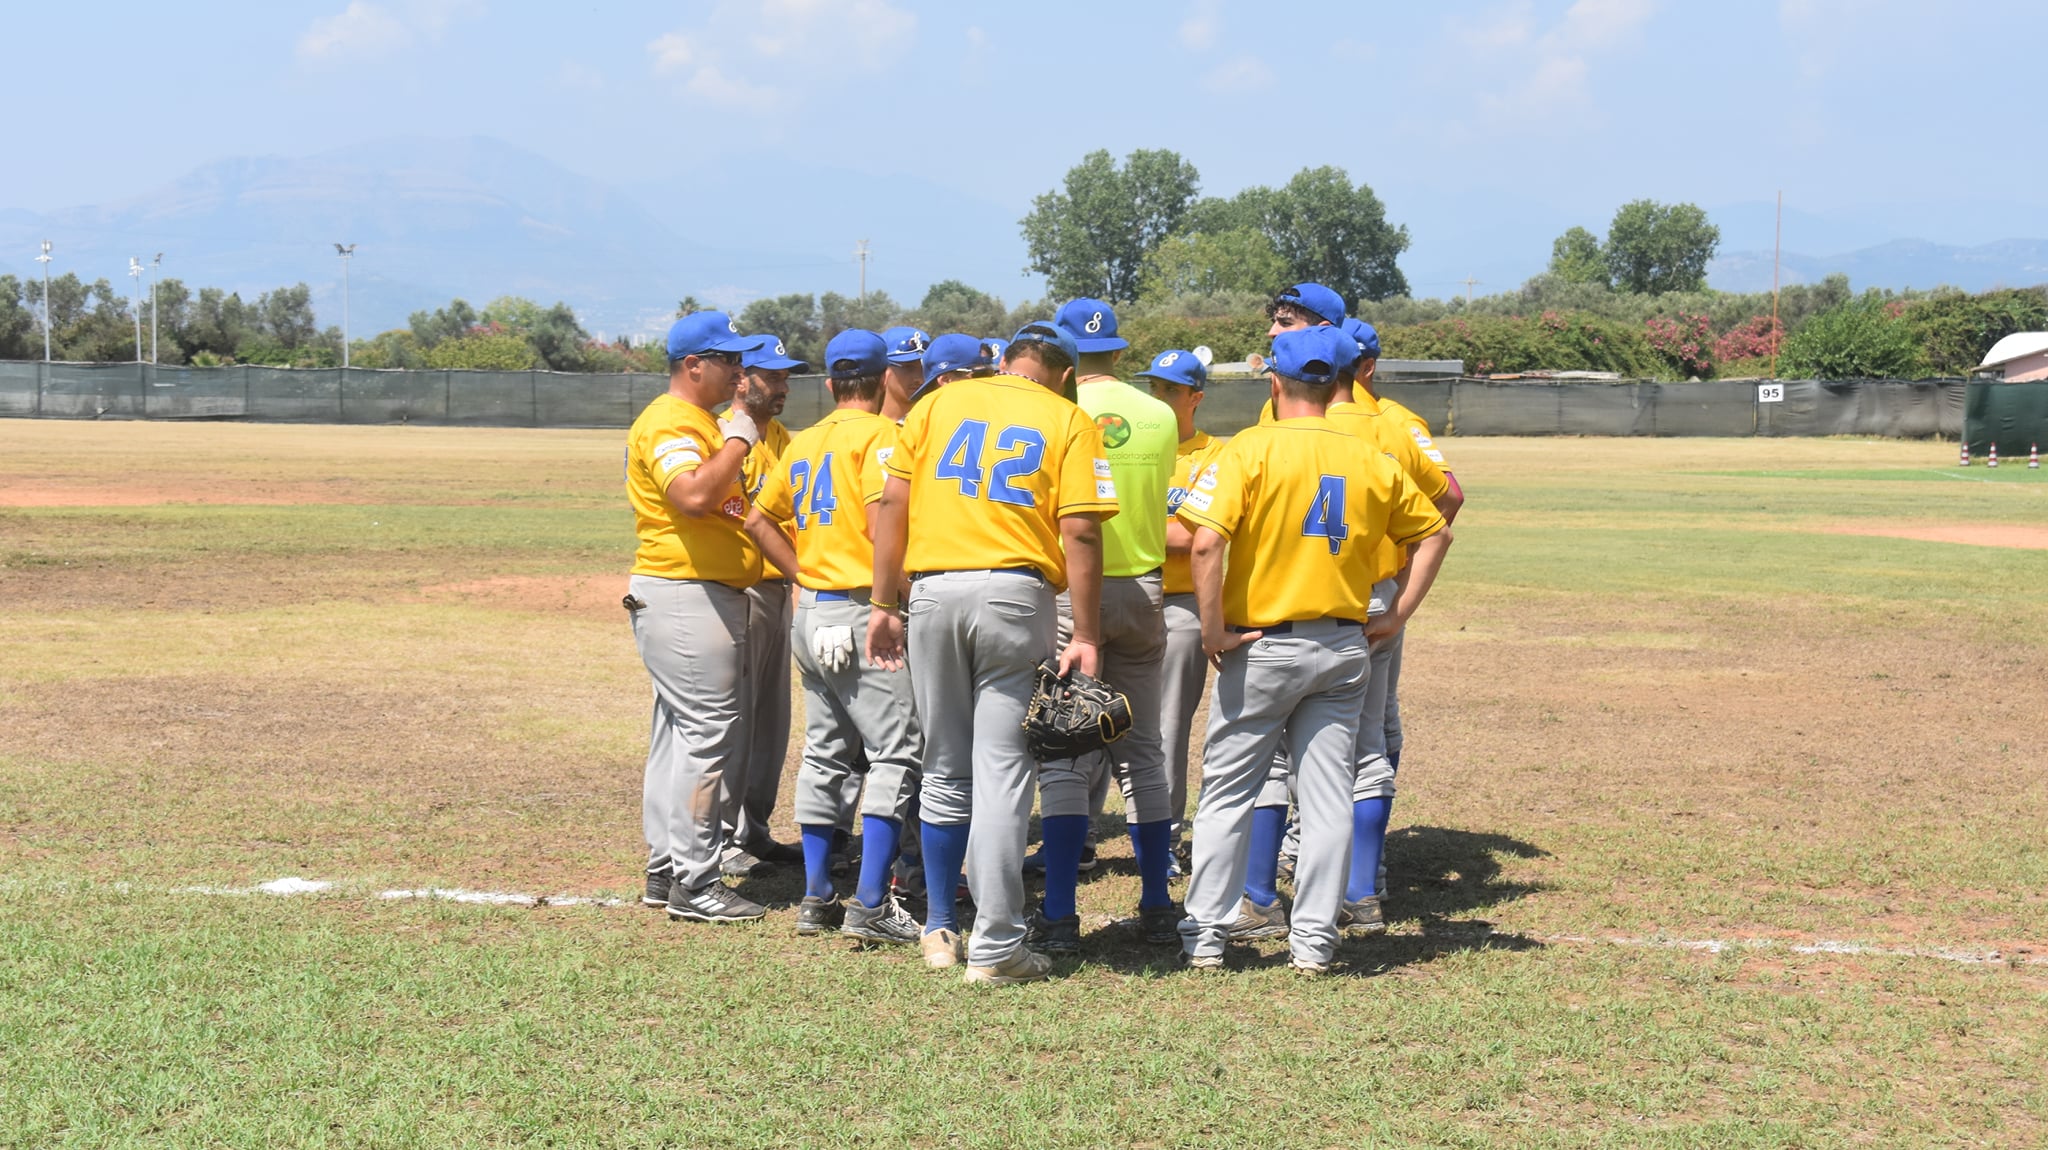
(970, 509)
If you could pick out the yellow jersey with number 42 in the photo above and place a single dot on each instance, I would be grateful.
(1304, 510)
(993, 465)
(673, 437)
(821, 487)
(1196, 452)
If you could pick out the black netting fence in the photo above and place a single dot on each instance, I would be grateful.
(1452, 405)
(2012, 415)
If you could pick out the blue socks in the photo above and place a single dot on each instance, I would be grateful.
(817, 855)
(1063, 837)
(945, 854)
(1262, 876)
(1368, 842)
(1152, 844)
(879, 839)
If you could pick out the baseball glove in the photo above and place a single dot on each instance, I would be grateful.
(1071, 716)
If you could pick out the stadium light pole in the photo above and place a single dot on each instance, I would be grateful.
(344, 251)
(135, 273)
(155, 266)
(44, 260)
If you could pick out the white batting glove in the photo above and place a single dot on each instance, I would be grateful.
(737, 424)
(832, 647)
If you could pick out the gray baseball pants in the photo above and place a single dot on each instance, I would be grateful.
(1393, 715)
(859, 713)
(1133, 644)
(1304, 688)
(748, 797)
(1184, 672)
(975, 638)
(1375, 773)
(692, 636)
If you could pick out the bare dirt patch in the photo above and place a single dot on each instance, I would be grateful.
(577, 594)
(147, 493)
(1971, 534)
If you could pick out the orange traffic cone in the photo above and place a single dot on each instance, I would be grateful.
(1991, 460)
(1965, 460)
(2033, 457)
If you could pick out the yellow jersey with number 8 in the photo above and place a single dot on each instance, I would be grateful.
(993, 465)
(821, 487)
(1304, 510)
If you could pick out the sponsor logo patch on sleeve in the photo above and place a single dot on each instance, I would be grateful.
(1105, 489)
(1421, 436)
(882, 455)
(1436, 457)
(1102, 469)
(1208, 480)
(681, 444)
(1199, 500)
(678, 458)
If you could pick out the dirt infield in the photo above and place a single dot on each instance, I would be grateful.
(1971, 534)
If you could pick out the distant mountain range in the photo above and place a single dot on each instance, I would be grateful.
(475, 217)
(1898, 264)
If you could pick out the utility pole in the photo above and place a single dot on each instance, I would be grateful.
(155, 266)
(1469, 282)
(344, 251)
(44, 260)
(1777, 253)
(860, 252)
(135, 273)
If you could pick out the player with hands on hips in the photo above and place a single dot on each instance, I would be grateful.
(993, 504)
(1296, 508)
(688, 603)
(823, 486)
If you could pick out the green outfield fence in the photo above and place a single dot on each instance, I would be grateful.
(1453, 404)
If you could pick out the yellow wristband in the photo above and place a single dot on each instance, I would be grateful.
(885, 606)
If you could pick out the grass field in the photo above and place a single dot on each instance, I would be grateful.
(1721, 825)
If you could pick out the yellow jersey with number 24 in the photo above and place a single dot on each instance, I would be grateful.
(821, 487)
(1304, 510)
(993, 465)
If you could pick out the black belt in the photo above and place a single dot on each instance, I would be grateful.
(1287, 628)
(1034, 572)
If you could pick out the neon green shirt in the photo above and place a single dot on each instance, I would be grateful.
(1140, 436)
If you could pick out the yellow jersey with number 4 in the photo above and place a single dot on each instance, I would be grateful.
(1304, 510)
(822, 486)
(1196, 452)
(674, 437)
(993, 465)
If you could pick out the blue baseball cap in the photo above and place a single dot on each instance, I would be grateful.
(1092, 323)
(994, 347)
(1311, 354)
(1365, 335)
(1347, 351)
(856, 352)
(704, 331)
(1316, 300)
(906, 344)
(1047, 332)
(953, 352)
(769, 355)
(1177, 366)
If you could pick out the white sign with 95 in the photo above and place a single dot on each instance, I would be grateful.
(1770, 393)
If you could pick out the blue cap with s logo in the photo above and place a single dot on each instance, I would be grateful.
(1175, 365)
(906, 344)
(770, 355)
(704, 331)
(1092, 323)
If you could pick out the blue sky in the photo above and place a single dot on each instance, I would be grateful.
(1486, 127)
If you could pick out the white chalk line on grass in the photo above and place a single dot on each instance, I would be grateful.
(293, 885)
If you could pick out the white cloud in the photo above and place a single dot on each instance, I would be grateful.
(1238, 74)
(1551, 66)
(1198, 31)
(367, 29)
(727, 58)
(574, 74)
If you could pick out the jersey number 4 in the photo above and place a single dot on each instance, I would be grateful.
(962, 461)
(1325, 518)
(823, 502)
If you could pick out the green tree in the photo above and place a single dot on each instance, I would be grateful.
(219, 324)
(1207, 263)
(688, 305)
(396, 348)
(793, 317)
(173, 316)
(1576, 258)
(1658, 248)
(1862, 339)
(837, 313)
(1323, 229)
(485, 351)
(21, 329)
(451, 322)
(286, 316)
(1091, 237)
(951, 305)
(1955, 329)
(556, 335)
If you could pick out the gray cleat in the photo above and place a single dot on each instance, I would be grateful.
(1362, 917)
(1255, 921)
(1053, 935)
(816, 915)
(888, 922)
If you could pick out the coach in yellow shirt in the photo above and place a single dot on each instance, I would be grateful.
(994, 501)
(1299, 509)
(689, 607)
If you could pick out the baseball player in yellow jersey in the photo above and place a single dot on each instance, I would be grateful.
(855, 716)
(1299, 511)
(994, 500)
(689, 607)
(1138, 437)
(1179, 379)
(749, 796)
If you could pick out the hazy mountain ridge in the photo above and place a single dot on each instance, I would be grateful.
(1896, 264)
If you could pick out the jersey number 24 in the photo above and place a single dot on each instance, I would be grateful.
(823, 501)
(961, 461)
(1325, 518)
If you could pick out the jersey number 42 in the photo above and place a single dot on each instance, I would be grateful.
(961, 462)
